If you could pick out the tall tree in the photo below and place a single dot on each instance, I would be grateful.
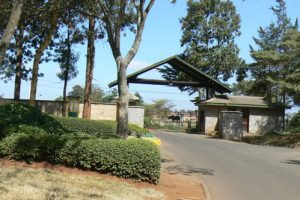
(51, 18)
(290, 57)
(90, 62)
(117, 16)
(268, 68)
(67, 60)
(10, 27)
(209, 32)
(21, 47)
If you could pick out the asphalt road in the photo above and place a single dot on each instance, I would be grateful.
(235, 171)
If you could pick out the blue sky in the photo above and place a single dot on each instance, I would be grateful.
(161, 39)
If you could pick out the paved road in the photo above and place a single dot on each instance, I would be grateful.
(236, 171)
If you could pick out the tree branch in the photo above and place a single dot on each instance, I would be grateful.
(140, 28)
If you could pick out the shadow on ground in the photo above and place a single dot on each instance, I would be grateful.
(294, 162)
(188, 170)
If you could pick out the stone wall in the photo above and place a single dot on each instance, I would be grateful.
(262, 121)
(100, 111)
(108, 111)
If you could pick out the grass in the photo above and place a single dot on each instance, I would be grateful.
(280, 140)
(28, 183)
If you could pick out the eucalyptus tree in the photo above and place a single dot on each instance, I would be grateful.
(93, 32)
(117, 17)
(20, 51)
(67, 59)
(48, 23)
(70, 33)
(12, 23)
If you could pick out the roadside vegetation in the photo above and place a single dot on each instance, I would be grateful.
(288, 138)
(27, 134)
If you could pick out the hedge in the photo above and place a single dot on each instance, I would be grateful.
(92, 127)
(27, 134)
(133, 158)
(16, 114)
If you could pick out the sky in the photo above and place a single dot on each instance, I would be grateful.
(161, 39)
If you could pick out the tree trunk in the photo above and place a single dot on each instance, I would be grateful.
(123, 102)
(10, 27)
(19, 65)
(66, 75)
(39, 53)
(64, 106)
(89, 69)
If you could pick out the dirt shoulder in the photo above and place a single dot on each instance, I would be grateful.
(288, 140)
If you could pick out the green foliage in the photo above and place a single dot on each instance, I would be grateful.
(271, 64)
(295, 122)
(97, 94)
(92, 127)
(27, 134)
(158, 109)
(126, 158)
(136, 159)
(209, 30)
(30, 143)
(137, 131)
(13, 115)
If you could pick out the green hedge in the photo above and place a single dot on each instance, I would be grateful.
(15, 114)
(93, 127)
(125, 158)
(133, 158)
(27, 134)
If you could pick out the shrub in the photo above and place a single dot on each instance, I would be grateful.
(93, 127)
(137, 131)
(30, 143)
(15, 114)
(125, 158)
(27, 134)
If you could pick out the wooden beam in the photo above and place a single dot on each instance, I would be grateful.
(167, 82)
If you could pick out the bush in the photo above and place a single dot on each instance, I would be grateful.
(15, 114)
(27, 134)
(92, 127)
(137, 131)
(295, 121)
(125, 158)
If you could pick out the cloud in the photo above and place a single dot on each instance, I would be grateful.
(136, 64)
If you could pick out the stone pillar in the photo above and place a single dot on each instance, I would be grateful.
(231, 125)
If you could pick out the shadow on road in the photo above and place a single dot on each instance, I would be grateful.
(188, 170)
(294, 162)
